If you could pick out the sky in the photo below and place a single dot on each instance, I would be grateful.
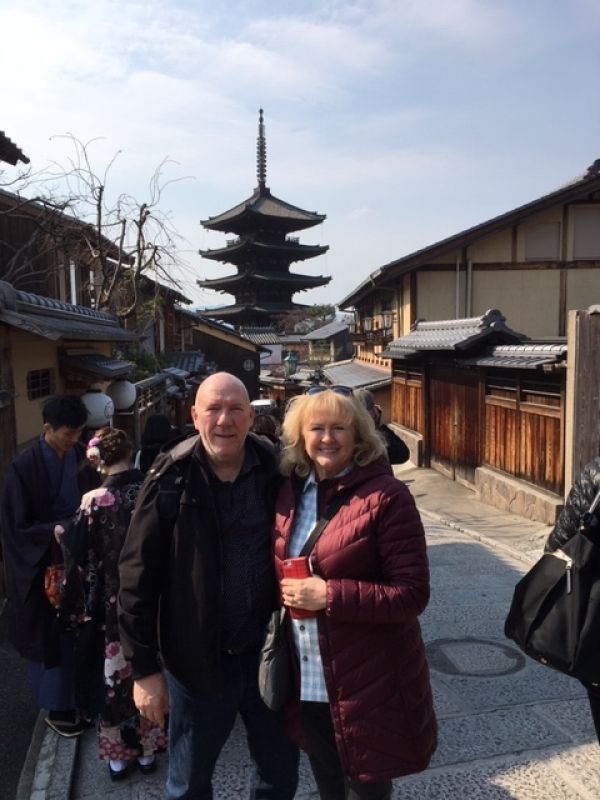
(404, 121)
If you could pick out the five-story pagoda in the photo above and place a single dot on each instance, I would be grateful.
(262, 252)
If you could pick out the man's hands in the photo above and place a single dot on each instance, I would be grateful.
(151, 697)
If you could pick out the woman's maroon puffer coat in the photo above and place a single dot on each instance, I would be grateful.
(373, 556)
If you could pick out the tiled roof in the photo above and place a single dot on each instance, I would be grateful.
(263, 203)
(302, 281)
(245, 246)
(356, 375)
(327, 331)
(260, 335)
(190, 362)
(521, 356)
(453, 334)
(98, 365)
(56, 320)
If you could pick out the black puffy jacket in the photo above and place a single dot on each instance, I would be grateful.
(578, 503)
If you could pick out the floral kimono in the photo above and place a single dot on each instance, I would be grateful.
(92, 548)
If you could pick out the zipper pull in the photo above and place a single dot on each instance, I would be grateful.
(568, 568)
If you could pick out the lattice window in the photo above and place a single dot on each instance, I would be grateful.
(40, 383)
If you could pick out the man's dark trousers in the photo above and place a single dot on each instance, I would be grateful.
(200, 725)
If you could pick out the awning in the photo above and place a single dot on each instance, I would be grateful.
(356, 375)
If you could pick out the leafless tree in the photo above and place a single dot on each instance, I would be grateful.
(68, 216)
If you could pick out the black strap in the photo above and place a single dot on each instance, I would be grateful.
(322, 523)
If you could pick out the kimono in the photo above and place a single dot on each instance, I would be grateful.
(92, 548)
(28, 515)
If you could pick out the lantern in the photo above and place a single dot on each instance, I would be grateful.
(123, 394)
(100, 408)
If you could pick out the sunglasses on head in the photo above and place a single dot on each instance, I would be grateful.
(345, 391)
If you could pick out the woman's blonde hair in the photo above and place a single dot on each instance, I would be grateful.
(368, 443)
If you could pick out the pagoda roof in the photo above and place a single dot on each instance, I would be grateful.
(262, 309)
(241, 248)
(263, 209)
(286, 278)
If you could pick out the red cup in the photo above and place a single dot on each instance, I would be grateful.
(298, 568)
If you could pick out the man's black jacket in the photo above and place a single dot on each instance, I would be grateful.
(170, 600)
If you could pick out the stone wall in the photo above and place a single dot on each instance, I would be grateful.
(518, 497)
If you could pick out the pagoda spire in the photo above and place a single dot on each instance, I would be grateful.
(261, 153)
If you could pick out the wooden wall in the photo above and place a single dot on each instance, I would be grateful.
(523, 425)
(510, 420)
(408, 398)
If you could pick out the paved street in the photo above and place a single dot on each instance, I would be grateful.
(508, 727)
(18, 713)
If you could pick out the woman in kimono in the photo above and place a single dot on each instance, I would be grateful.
(92, 548)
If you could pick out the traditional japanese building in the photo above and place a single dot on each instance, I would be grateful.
(262, 252)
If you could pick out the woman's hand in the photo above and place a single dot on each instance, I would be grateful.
(307, 593)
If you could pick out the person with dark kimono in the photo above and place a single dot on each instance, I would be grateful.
(41, 492)
(92, 547)
(157, 432)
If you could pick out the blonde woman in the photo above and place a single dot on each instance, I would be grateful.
(363, 706)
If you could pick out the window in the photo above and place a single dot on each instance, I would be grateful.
(40, 383)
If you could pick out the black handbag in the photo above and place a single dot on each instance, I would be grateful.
(554, 616)
(275, 663)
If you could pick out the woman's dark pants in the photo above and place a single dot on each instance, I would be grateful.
(325, 762)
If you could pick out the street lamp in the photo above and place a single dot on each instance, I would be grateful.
(290, 363)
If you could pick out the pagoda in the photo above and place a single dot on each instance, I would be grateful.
(262, 253)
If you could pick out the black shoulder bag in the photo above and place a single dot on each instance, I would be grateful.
(275, 665)
(554, 616)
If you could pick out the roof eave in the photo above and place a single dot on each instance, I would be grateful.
(394, 269)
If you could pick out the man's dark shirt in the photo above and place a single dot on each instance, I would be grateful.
(248, 578)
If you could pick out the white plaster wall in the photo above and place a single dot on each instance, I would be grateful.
(496, 247)
(436, 295)
(583, 288)
(31, 353)
(551, 215)
(529, 299)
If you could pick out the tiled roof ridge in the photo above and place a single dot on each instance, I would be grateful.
(492, 318)
(17, 299)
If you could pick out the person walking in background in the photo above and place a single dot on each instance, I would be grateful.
(363, 705)
(397, 451)
(197, 590)
(92, 547)
(267, 425)
(41, 493)
(158, 431)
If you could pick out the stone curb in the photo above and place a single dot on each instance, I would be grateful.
(49, 766)
(527, 557)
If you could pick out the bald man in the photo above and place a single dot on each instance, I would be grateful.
(197, 590)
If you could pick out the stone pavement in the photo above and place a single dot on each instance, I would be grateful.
(509, 728)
